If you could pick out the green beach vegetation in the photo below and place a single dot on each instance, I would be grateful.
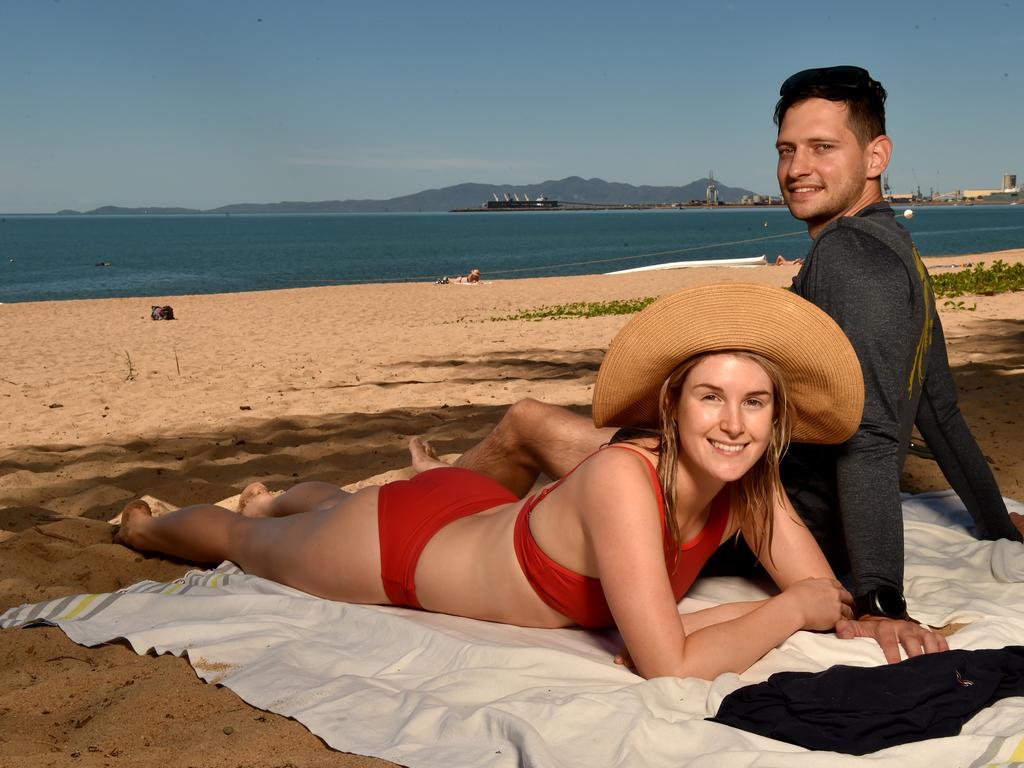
(582, 309)
(977, 280)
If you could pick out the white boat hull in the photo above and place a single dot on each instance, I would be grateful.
(751, 261)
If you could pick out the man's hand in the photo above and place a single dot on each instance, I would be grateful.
(891, 634)
(1018, 522)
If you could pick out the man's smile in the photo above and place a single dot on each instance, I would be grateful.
(803, 190)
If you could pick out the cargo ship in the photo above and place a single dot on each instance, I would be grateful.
(513, 203)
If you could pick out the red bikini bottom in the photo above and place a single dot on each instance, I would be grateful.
(411, 512)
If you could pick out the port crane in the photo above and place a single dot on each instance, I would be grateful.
(711, 195)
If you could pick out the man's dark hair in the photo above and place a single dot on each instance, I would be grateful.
(863, 96)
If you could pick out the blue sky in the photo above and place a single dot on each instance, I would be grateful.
(203, 104)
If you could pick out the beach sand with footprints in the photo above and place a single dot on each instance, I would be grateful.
(100, 405)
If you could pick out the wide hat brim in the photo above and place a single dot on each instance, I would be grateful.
(821, 369)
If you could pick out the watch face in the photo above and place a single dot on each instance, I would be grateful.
(890, 602)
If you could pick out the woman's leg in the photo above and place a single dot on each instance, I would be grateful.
(202, 533)
(332, 550)
(257, 501)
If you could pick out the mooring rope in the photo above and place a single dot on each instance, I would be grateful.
(588, 262)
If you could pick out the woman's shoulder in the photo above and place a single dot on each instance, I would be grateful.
(616, 494)
(628, 454)
(619, 469)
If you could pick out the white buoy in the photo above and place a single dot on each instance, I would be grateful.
(908, 214)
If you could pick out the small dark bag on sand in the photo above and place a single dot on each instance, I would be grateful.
(162, 313)
(857, 710)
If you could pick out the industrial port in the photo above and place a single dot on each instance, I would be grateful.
(1008, 193)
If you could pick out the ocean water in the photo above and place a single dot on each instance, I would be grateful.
(45, 257)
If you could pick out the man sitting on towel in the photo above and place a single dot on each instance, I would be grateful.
(864, 270)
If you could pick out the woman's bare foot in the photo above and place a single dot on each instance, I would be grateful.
(255, 501)
(423, 456)
(133, 517)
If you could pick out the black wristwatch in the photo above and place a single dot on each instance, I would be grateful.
(881, 601)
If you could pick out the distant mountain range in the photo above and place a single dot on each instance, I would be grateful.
(572, 189)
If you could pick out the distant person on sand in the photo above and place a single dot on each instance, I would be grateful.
(621, 537)
(865, 272)
(472, 277)
(781, 261)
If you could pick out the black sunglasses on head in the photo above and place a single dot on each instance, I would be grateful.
(828, 77)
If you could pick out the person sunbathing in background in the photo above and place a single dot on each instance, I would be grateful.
(782, 261)
(711, 392)
(472, 277)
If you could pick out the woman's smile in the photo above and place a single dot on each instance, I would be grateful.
(727, 447)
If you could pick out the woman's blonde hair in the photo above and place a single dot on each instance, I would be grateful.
(760, 487)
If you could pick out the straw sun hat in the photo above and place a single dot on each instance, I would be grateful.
(821, 369)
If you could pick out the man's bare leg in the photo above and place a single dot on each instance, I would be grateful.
(423, 456)
(534, 438)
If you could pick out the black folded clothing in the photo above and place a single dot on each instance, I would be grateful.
(857, 710)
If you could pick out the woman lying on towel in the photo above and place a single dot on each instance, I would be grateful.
(717, 378)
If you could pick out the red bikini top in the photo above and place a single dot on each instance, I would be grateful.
(580, 597)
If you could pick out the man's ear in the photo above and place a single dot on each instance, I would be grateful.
(878, 151)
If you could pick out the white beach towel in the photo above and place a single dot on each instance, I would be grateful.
(430, 690)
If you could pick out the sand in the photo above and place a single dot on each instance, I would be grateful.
(99, 405)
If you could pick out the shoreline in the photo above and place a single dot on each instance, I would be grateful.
(1010, 255)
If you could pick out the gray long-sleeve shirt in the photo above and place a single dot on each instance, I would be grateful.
(866, 273)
